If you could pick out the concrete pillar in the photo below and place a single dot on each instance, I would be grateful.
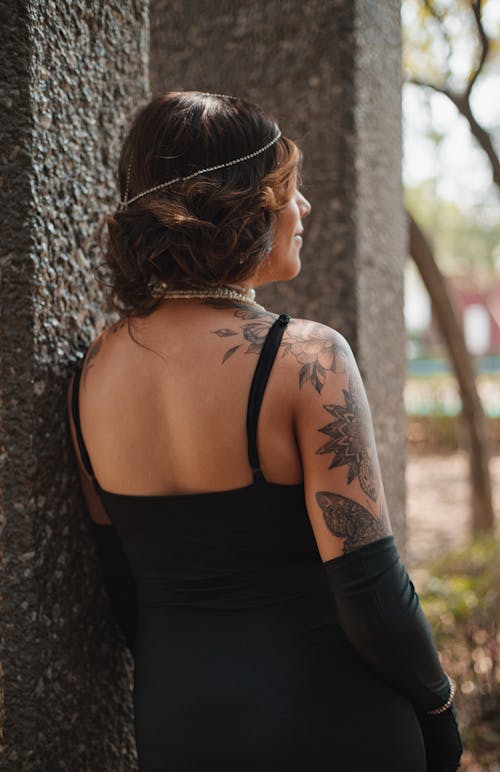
(71, 73)
(330, 73)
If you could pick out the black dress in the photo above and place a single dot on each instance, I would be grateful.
(241, 664)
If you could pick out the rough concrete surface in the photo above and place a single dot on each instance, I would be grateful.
(70, 77)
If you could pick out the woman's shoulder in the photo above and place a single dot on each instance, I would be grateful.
(100, 345)
(315, 344)
(312, 329)
(310, 348)
(310, 353)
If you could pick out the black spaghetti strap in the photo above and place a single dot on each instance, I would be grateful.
(260, 378)
(76, 420)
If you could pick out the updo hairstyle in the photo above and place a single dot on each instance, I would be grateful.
(211, 230)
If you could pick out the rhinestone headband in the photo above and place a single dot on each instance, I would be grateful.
(126, 201)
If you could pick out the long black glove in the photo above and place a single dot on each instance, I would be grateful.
(380, 613)
(443, 745)
(118, 580)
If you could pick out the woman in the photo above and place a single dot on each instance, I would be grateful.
(277, 629)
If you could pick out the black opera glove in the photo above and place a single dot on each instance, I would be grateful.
(443, 744)
(379, 611)
(118, 580)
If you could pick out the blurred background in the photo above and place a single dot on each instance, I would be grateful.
(451, 177)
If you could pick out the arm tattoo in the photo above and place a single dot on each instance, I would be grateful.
(318, 354)
(316, 351)
(350, 521)
(347, 443)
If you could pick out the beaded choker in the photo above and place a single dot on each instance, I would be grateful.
(235, 292)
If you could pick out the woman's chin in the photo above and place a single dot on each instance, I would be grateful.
(296, 267)
(291, 270)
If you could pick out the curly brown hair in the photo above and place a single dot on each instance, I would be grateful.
(211, 230)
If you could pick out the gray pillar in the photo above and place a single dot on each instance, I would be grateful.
(72, 72)
(381, 236)
(330, 73)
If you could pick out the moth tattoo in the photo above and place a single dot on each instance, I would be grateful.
(349, 520)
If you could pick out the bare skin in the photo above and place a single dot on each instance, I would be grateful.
(168, 416)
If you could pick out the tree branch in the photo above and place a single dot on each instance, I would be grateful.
(482, 137)
(485, 45)
(442, 29)
(424, 84)
(461, 100)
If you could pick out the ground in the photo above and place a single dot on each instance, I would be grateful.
(438, 506)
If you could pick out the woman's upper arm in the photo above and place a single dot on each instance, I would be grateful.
(342, 479)
(94, 504)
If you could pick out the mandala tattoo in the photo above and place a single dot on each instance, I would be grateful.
(350, 521)
(347, 440)
(316, 352)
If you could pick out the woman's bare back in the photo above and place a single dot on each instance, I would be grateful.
(174, 421)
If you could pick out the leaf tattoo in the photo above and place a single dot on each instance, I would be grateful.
(117, 325)
(91, 354)
(230, 353)
(225, 332)
(254, 332)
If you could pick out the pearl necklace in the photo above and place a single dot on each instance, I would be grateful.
(246, 294)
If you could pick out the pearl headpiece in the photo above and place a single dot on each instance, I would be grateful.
(126, 200)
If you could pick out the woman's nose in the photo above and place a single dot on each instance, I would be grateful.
(305, 206)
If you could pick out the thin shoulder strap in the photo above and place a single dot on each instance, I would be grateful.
(78, 429)
(260, 377)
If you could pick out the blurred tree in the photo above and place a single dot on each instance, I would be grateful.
(438, 36)
(465, 243)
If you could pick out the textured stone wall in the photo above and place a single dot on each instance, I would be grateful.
(72, 71)
(329, 72)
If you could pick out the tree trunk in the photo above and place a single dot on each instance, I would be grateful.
(472, 410)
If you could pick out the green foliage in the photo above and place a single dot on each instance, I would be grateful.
(464, 587)
(461, 599)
